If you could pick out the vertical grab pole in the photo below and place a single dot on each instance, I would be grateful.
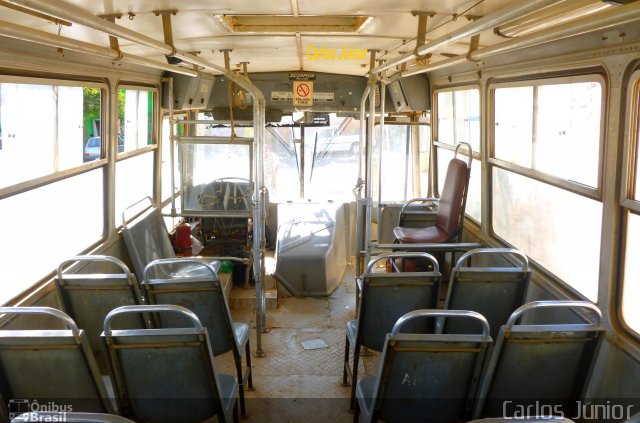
(383, 89)
(368, 190)
(258, 221)
(172, 153)
(358, 189)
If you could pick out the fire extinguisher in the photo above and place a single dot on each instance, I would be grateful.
(183, 239)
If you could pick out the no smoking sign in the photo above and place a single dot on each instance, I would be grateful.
(302, 93)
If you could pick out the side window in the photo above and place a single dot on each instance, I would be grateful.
(135, 132)
(47, 126)
(631, 207)
(545, 165)
(50, 129)
(459, 121)
(135, 116)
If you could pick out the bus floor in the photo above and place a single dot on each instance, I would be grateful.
(297, 385)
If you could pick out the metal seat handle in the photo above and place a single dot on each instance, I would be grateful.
(159, 308)
(124, 220)
(436, 267)
(178, 261)
(415, 200)
(556, 304)
(94, 258)
(469, 152)
(478, 251)
(442, 313)
(68, 321)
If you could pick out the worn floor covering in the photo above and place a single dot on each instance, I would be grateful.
(297, 385)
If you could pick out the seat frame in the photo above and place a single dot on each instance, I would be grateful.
(442, 344)
(368, 283)
(154, 287)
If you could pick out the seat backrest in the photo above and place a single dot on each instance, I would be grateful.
(388, 296)
(429, 377)
(493, 291)
(146, 239)
(69, 417)
(452, 198)
(202, 294)
(546, 365)
(49, 366)
(89, 297)
(164, 375)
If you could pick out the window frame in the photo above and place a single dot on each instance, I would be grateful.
(34, 183)
(556, 181)
(574, 187)
(435, 144)
(628, 204)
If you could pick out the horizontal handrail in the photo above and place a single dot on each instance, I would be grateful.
(158, 308)
(124, 220)
(49, 311)
(445, 246)
(402, 254)
(178, 261)
(477, 251)
(415, 200)
(94, 258)
(556, 304)
(442, 313)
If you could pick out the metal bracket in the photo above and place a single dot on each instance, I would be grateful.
(113, 41)
(422, 35)
(167, 29)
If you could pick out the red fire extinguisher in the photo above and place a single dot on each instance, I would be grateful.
(183, 239)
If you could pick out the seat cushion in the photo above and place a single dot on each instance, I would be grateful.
(241, 331)
(228, 390)
(365, 393)
(352, 330)
(430, 234)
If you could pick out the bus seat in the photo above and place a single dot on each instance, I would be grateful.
(546, 365)
(204, 296)
(450, 211)
(384, 298)
(147, 240)
(88, 298)
(50, 365)
(425, 377)
(69, 417)
(169, 375)
(494, 291)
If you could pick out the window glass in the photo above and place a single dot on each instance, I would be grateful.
(473, 207)
(331, 159)
(134, 181)
(631, 287)
(397, 163)
(541, 220)
(46, 225)
(281, 173)
(135, 116)
(553, 128)
(425, 142)
(459, 117)
(513, 132)
(166, 160)
(45, 128)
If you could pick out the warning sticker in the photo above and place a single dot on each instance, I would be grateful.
(302, 93)
(324, 97)
(318, 97)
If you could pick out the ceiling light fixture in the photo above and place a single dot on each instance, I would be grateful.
(293, 24)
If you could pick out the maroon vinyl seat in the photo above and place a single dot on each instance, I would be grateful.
(449, 217)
